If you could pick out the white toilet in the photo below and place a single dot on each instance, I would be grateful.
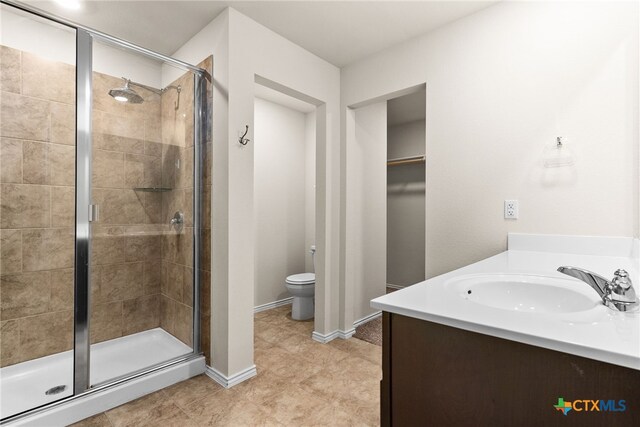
(302, 286)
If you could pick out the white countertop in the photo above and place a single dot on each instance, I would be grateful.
(600, 333)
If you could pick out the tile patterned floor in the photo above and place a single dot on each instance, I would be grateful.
(299, 383)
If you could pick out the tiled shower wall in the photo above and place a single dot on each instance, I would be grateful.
(37, 137)
(37, 152)
(126, 251)
(37, 209)
(177, 144)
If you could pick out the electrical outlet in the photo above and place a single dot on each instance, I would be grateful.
(511, 209)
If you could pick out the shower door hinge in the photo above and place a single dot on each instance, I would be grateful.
(94, 213)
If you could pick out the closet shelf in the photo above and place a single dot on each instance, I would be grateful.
(406, 160)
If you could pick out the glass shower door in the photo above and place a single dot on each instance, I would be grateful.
(141, 264)
(37, 206)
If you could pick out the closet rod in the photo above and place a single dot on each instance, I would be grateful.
(406, 160)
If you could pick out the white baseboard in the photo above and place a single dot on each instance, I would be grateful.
(345, 335)
(235, 379)
(366, 319)
(270, 305)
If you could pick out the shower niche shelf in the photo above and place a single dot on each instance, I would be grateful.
(152, 189)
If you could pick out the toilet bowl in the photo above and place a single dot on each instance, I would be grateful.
(302, 287)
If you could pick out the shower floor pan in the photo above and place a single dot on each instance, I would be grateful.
(44, 380)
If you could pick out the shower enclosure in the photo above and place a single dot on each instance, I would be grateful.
(101, 174)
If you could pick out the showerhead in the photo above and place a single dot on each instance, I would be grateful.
(126, 94)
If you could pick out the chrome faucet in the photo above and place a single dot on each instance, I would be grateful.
(617, 294)
(177, 221)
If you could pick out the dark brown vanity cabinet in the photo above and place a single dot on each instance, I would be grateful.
(436, 375)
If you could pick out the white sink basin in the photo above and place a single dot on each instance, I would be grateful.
(525, 293)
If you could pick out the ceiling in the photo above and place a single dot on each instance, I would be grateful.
(340, 32)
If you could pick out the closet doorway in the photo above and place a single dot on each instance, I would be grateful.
(406, 190)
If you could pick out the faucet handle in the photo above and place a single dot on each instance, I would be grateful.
(621, 279)
(621, 292)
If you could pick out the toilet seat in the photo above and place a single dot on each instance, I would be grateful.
(301, 279)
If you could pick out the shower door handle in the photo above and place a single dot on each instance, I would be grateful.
(94, 213)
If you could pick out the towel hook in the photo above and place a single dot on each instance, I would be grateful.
(242, 140)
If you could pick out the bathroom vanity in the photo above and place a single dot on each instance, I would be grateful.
(499, 342)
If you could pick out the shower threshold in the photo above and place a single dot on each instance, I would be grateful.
(44, 380)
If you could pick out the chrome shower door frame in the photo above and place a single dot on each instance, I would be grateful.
(82, 271)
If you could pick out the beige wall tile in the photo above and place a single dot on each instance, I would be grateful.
(9, 343)
(152, 277)
(10, 161)
(107, 245)
(206, 249)
(142, 247)
(205, 337)
(118, 143)
(152, 130)
(24, 206)
(10, 64)
(150, 109)
(143, 171)
(169, 158)
(108, 169)
(172, 201)
(187, 286)
(187, 206)
(141, 314)
(45, 79)
(153, 208)
(175, 318)
(63, 124)
(63, 206)
(106, 321)
(184, 324)
(46, 334)
(121, 281)
(152, 148)
(47, 249)
(62, 290)
(120, 206)
(184, 174)
(10, 251)
(112, 124)
(178, 248)
(172, 285)
(184, 254)
(24, 294)
(205, 293)
(62, 164)
(168, 314)
(35, 161)
(24, 118)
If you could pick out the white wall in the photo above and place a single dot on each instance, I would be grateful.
(406, 205)
(366, 227)
(501, 84)
(279, 198)
(58, 43)
(242, 50)
(310, 187)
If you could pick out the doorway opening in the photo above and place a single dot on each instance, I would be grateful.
(284, 212)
